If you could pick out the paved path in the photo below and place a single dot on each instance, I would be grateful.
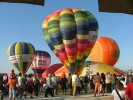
(66, 97)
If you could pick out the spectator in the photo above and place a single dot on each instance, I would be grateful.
(97, 80)
(20, 85)
(1, 87)
(118, 93)
(92, 85)
(63, 83)
(74, 85)
(108, 83)
(113, 81)
(30, 85)
(128, 77)
(69, 80)
(86, 82)
(78, 82)
(129, 90)
(123, 82)
(12, 74)
(25, 86)
(12, 87)
(49, 87)
(36, 84)
(54, 84)
(103, 78)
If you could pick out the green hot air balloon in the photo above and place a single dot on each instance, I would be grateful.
(21, 55)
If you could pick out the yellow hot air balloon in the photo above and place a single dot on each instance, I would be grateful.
(21, 55)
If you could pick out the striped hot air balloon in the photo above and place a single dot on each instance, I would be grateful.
(21, 55)
(71, 34)
(41, 62)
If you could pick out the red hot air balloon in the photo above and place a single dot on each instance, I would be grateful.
(41, 62)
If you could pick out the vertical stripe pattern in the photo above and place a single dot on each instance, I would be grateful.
(21, 55)
(71, 34)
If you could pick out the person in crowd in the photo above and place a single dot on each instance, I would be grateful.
(20, 85)
(59, 87)
(42, 81)
(82, 85)
(36, 84)
(69, 80)
(25, 86)
(108, 83)
(78, 82)
(86, 82)
(54, 84)
(74, 85)
(129, 90)
(12, 73)
(63, 83)
(97, 80)
(12, 87)
(92, 85)
(49, 87)
(103, 78)
(119, 92)
(30, 85)
(128, 76)
(5, 86)
(123, 81)
(63, 75)
(113, 81)
(44, 86)
(1, 87)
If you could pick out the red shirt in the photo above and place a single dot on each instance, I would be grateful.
(129, 90)
(12, 74)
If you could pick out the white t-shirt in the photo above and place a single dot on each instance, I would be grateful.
(19, 81)
(74, 78)
(116, 97)
(54, 80)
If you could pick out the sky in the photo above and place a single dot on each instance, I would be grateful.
(23, 23)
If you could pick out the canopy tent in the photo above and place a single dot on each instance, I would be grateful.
(116, 6)
(35, 2)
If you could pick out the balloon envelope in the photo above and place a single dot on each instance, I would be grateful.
(71, 34)
(105, 51)
(51, 70)
(21, 55)
(91, 68)
(41, 62)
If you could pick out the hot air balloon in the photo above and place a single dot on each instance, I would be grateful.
(71, 34)
(51, 69)
(41, 62)
(91, 68)
(21, 55)
(105, 51)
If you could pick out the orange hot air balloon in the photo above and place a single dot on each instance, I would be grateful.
(106, 51)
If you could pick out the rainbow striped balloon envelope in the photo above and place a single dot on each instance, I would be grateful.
(71, 34)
